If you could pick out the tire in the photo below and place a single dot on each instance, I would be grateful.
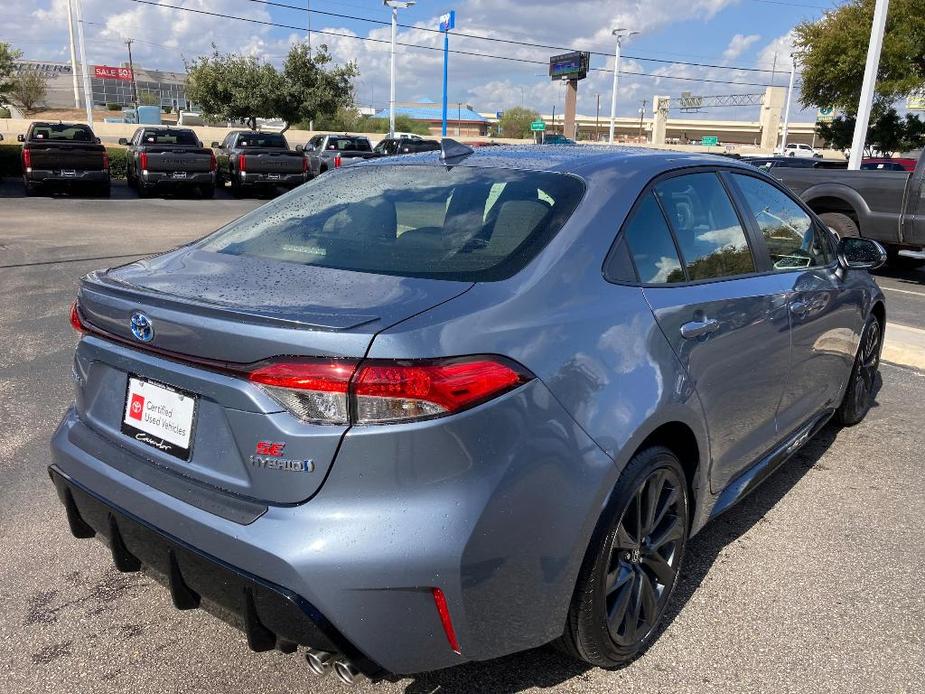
(144, 191)
(858, 395)
(626, 580)
(104, 190)
(841, 224)
(32, 189)
(207, 192)
(237, 190)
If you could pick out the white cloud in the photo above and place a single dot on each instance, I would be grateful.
(738, 45)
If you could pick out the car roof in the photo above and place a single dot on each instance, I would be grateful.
(581, 160)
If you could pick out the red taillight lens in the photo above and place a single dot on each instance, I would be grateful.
(26, 159)
(213, 162)
(106, 161)
(381, 392)
(304, 164)
(76, 323)
(242, 162)
(338, 160)
(313, 390)
(143, 161)
(393, 392)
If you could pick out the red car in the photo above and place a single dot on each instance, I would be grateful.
(888, 164)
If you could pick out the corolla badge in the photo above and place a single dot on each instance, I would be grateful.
(142, 327)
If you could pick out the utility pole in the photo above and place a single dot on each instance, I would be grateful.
(597, 119)
(793, 72)
(70, 35)
(620, 33)
(395, 6)
(642, 115)
(308, 7)
(84, 67)
(131, 67)
(870, 81)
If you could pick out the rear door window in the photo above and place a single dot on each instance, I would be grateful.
(792, 240)
(712, 241)
(651, 246)
(465, 223)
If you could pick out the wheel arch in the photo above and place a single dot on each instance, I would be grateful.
(837, 198)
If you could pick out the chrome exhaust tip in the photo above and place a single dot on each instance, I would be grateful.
(319, 662)
(346, 672)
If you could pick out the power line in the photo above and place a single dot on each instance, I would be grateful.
(457, 51)
(495, 39)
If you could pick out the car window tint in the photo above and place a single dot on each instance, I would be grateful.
(412, 221)
(713, 242)
(789, 233)
(651, 246)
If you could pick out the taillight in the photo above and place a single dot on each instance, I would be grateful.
(313, 390)
(213, 162)
(76, 323)
(143, 161)
(382, 392)
(338, 160)
(242, 162)
(304, 164)
(27, 159)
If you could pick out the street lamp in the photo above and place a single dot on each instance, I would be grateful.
(620, 33)
(395, 6)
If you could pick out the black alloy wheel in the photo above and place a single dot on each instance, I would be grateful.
(644, 558)
(631, 567)
(860, 390)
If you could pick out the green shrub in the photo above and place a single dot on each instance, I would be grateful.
(5, 112)
(113, 106)
(10, 161)
(117, 160)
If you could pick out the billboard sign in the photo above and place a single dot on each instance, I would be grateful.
(825, 114)
(448, 21)
(107, 72)
(570, 66)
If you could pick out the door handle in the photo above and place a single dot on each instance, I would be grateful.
(698, 328)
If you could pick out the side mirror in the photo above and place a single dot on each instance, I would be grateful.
(20, 138)
(299, 149)
(123, 141)
(860, 254)
(215, 145)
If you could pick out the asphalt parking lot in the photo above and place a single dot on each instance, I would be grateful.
(813, 584)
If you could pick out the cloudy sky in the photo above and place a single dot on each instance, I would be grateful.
(721, 33)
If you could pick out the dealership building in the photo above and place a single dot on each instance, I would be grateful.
(169, 88)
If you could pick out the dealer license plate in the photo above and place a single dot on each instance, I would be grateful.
(179, 174)
(272, 177)
(68, 172)
(159, 417)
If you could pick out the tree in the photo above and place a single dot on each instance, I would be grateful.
(234, 87)
(887, 134)
(146, 98)
(312, 87)
(29, 89)
(515, 122)
(833, 50)
(8, 58)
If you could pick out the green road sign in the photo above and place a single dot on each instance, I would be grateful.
(538, 126)
(709, 140)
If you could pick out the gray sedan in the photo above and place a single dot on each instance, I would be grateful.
(449, 406)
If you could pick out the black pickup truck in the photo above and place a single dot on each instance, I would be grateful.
(63, 154)
(393, 146)
(260, 160)
(886, 206)
(330, 151)
(169, 158)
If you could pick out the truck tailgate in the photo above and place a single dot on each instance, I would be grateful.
(56, 156)
(168, 160)
(274, 162)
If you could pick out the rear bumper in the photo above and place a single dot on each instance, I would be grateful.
(498, 522)
(166, 179)
(290, 180)
(40, 176)
(270, 616)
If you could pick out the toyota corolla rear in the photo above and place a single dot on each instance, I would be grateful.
(230, 433)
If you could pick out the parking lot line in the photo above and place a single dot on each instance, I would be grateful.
(902, 291)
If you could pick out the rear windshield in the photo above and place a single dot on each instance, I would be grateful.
(262, 140)
(169, 137)
(63, 132)
(360, 144)
(466, 224)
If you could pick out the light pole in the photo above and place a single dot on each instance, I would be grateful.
(447, 22)
(793, 72)
(84, 67)
(867, 86)
(620, 33)
(131, 67)
(597, 120)
(70, 33)
(395, 6)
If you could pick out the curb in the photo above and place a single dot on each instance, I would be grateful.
(904, 345)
